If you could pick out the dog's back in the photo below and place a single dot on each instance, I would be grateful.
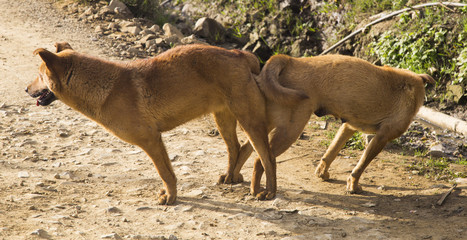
(347, 87)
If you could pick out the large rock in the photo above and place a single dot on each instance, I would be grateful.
(210, 29)
(120, 8)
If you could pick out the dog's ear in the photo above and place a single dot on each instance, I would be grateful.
(51, 60)
(62, 46)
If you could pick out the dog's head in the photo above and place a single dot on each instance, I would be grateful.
(52, 71)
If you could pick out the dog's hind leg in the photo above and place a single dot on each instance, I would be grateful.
(285, 133)
(255, 126)
(227, 125)
(342, 135)
(377, 144)
(155, 148)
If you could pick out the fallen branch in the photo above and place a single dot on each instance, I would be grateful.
(445, 195)
(443, 4)
(442, 120)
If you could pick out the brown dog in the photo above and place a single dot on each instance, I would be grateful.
(368, 98)
(138, 100)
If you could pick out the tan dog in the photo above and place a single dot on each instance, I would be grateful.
(368, 98)
(138, 100)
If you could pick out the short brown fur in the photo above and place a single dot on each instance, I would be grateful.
(138, 100)
(368, 98)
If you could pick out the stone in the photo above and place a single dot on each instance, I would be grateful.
(113, 26)
(171, 31)
(210, 29)
(113, 210)
(135, 29)
(191, 40)
(120, 8)
(369, 204)
(195, 193)
(437, 151)
(154, 28)
(23, 174)
(98, 29)
(111, 236)
(41, 233)
(296, 49)
(454, 92)
(145, 39)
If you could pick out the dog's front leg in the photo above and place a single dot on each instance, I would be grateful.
(227, 126)
(156, 150)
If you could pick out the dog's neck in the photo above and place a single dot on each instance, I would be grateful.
(88, 83)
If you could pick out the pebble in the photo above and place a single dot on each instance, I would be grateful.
(143, 208)
(369, 204)
(145, 237)
(437, 151)
(113, 210)
(181, 208)
(174, 226)
(23, 174)
(279, 202)
(195, 193)
(111, 236)
(41, 233)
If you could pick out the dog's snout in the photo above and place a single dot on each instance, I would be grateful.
(26, 90)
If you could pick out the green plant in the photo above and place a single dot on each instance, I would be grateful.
(147, 8)
(356, 142)
(434, 168)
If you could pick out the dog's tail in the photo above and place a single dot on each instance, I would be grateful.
(252, 60)
(268, 82)
(427, 79)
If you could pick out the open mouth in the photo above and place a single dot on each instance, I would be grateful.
(46, 97)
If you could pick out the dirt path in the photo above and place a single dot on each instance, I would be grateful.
(64, 177)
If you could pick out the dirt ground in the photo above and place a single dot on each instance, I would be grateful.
(64, 177)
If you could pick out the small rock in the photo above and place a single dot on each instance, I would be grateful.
(135, 30)
(23, 174)
(174, 226)
(98, 29)
(437, 151)
(41, 233)
(143, 208)
(120, 8)
(145, 39)
(181, 208)
(322, 124)
(113, 210)
(369, 204)
(199, 153)
(64, 175)
(195, 193)
(279, 202)
(111, 236)
(113, 26)
(210, 29)
(170, 31)
(154, 28)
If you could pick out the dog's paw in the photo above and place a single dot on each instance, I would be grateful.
(265, 195)
(165, 199)
(229, 179)
(353, 187)
(321, 172)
